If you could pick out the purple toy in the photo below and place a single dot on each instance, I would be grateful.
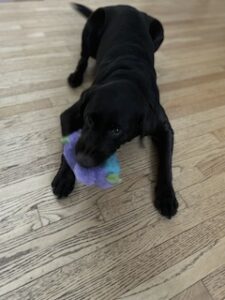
(104, 176)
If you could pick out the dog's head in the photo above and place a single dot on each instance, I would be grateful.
(112, 115)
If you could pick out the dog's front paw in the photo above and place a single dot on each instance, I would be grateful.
(75, 79)
(166, 201)
(63, 183)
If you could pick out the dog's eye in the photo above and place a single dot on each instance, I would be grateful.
(116, 131)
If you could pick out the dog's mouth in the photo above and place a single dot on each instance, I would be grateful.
(93, 154)
(86, 160)
(90, 159)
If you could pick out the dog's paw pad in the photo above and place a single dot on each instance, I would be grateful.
(63, 184)
(74, 80)
(166, 201)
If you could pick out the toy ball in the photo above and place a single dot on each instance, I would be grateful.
(104, 176)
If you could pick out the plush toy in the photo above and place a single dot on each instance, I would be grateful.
(103, 176)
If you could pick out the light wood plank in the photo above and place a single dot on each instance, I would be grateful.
(215, 283)
(133, 255)
(73, 231)
(180, 276)
(19, 224)
(197, 291)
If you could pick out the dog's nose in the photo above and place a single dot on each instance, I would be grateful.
(85, 160)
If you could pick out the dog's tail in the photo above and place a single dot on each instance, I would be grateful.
(84, 10)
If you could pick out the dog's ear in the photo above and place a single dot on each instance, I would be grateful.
(84, 99)
(156, 31)
(72, 118)
(145, 124)
(153, 119)
(149, 121)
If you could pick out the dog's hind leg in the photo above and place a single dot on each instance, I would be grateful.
(90, 40)
(76, 78)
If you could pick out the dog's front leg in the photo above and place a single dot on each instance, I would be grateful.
(165, 199)
(64, 181)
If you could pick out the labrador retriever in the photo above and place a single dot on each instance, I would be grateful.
(123, 101)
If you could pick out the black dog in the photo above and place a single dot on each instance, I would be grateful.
(123, 101)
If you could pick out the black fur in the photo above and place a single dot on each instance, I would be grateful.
(123, 101)
(82, 9)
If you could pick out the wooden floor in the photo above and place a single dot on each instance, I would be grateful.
(107, 245)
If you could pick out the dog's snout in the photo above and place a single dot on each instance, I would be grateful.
(85, 160)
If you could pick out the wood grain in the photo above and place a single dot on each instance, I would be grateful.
(215, 283)
(109, 245)
(196, 291)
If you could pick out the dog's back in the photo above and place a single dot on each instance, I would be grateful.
(126, 30)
